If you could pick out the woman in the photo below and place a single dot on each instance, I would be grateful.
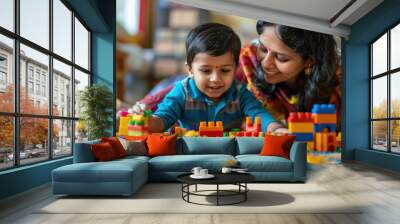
(287, 69)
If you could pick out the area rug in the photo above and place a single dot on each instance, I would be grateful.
(167, 198)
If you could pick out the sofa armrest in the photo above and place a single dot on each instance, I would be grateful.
(298, 155)
(83, 153)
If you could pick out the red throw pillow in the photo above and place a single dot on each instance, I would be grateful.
(103, 151)
(116, 145)
(159, 144)
(277, 145)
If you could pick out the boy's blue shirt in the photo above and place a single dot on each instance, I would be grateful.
(188, 106)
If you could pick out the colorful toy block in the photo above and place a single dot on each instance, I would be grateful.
(302, 117)
(300, 127)
(180, 132)
(323, 109)
(325, 141)
(250, 127)
(325, 118)
(321, 127)
(123, 123)
(304, 137)
(211, 129)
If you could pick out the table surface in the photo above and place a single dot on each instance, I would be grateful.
(220, 178)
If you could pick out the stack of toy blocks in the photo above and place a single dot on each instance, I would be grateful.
(324, 127)
(138, 125)
(211, 129)
(302, 125)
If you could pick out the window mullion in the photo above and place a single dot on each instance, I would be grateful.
(16, 84)
(389, 106)
(50, 81)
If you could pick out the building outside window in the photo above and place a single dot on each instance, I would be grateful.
(30, 87)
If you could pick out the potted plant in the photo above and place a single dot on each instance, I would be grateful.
(96, 103)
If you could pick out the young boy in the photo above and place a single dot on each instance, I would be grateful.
(210, 93)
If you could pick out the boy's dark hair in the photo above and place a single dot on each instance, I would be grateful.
(212, 38)
(317, 87)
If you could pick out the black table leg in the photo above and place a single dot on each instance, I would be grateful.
(217, 194)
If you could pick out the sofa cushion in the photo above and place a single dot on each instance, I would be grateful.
(116, 145)
(249, 145)
(159, 145)
(277, 145)
(103, 152)
(206, 145)
(83, 152)
(185, 163)
(134, 147)
(257, 163)
(112, 171)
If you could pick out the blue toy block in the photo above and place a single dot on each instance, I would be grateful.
(324, 109)
(321, 127)
(304, 137)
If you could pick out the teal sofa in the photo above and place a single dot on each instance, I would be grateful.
(125, 176)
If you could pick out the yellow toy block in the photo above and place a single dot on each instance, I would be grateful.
(310, 146)
(324, 118)
(301, 127)
(123, 125)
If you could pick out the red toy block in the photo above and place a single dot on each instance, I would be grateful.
(300, 117)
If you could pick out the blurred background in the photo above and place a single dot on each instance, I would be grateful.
(151, 43)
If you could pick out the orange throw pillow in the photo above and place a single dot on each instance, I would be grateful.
(116, 145)
(277, 145)
(159, 144)
(103, 152)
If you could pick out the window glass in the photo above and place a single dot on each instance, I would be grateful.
(379, 56)
(395, 136)
(62, 138)
(39, 61)
(6, 74)
(379, 98)
(62, 91)
(6, 142)
(34, 21)
(395, 47)
(34, 145)
(62, 29)
(81, 81)
(395, 95)
(7, 14)
(379, 135)
(81, 45)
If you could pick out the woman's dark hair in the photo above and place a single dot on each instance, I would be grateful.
(214, 39)
(321, 48)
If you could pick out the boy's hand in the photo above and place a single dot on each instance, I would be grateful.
(137, 108)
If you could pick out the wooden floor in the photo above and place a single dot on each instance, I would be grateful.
(377, 188)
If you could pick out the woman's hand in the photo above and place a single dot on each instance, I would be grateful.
(277, 127)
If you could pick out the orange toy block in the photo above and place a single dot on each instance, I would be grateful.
(211, 129)
(324, 118)
(325, 141)
(250, 127)
(301, 127)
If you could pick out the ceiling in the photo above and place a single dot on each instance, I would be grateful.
(327, 16)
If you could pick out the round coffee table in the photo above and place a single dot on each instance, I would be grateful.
(238, 179)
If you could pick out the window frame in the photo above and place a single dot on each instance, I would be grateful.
(16, 115)
(388, 74)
